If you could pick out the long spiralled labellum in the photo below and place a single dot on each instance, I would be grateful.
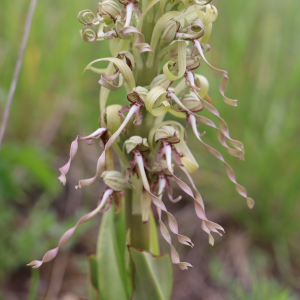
(158, 203)
(230, 173)
(68, 234)
(206, 225)
(165, 233)
(113, 138)
(198, 201)
(224, 74)
(222, 132)
(73, 150)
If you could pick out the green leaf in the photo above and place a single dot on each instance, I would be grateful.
(93, 278)
(113, 280)
(153, 275)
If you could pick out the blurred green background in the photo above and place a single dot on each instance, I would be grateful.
(258, 43)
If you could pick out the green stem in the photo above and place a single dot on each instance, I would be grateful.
(138, 232)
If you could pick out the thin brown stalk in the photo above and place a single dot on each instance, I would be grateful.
(17, 69)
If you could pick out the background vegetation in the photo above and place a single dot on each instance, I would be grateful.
(258, 43)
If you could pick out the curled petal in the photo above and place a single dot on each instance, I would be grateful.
(108, 81)
(140, 39)
(89, 33)
(230, 173)
(158, 203)
(207, 225)
(113, 138)
(87, 17)
(222, 132)
(68, 234)
(122, 67)
(73, 150)
(181, 62)
(155, 102)
(170, 192)
(198, 201)
(174, 254)
(224, 74)
(65, 169)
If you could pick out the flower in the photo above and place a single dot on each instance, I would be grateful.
(152, 152)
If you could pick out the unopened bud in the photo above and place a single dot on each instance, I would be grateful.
(168, 133)
(197, 25)
(192, 62)
(169, 31)
(115, 180)
(136, 142)
(109, 10)
(192, 102)
(160, 80)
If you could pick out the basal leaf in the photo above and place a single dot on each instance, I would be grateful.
(153, 275)
(111, 249)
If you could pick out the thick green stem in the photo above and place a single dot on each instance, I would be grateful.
(138, 233)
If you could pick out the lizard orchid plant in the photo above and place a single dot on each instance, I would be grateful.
(157, 47)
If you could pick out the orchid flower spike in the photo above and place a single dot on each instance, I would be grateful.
(156, 84)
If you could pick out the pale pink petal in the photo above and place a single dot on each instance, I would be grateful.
(230, 173)
(68, 234)
(224, 74)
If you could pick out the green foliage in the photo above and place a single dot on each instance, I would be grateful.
(263, 289)
(153, 275)
(93, 277)
(132, 271)
(251, 285)
(111, 250)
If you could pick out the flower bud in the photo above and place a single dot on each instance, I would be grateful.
(137, 94)
(169, 31)
(197, 25)
(136, 142)
(160, 80)
(109, 10)
(192, 62)
(168, 133)
(115, 180)
(192, 102)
